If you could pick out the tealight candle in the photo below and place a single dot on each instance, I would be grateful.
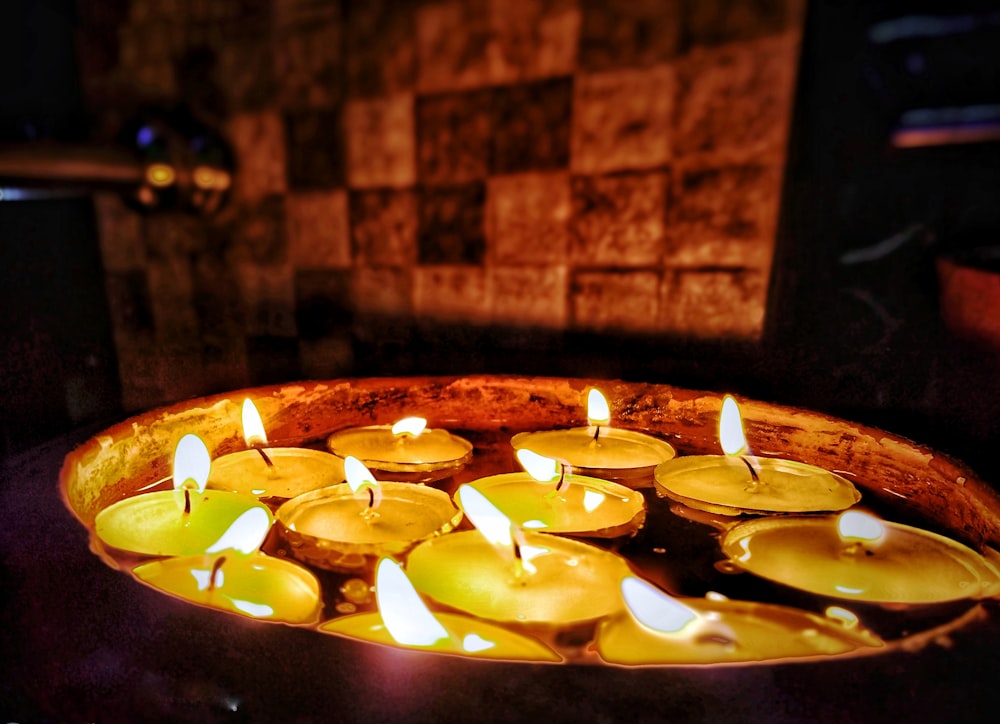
(736, 483)
(502, 573)
(548, 498)
(407, 450)
(178, 522)
(344, 527)
(600, 450)
(858, 557)
(659, 629)
(272, 472)
(404, 620)
(234, 576)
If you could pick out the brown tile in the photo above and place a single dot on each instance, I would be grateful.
(315, 148)
(382, 291)
(381, 48)
(618, 220)
(451, 224)
(245, 74)
(328, 358)
(720, 303)
(224, 363)
(259, 143)
(140, 380)
(530, 296)
(259, 233)
(631, 34)
(532, 39)
(218, 301)
(129, 303)
(384, 227)
(712, 22)
(171, 292)
(308, 65)
(152, 81)
(623, 119)
(179, 371)
(318, 228)
(322, 303)
(380, 141)
(119, 231)
(611, 301)
(172, 235)
(527, 218)
(272, 359)
(454, 137)
(452, 293)
(736, 97)
(268, 294)
(453, 45)
(530, 127)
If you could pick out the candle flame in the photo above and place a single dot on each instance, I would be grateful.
(409, 426)
(246, 534)
(653, 608)
(731, 435)
(853, 525)
(406, 617)
(592, 500)
(488, 519)
(253, 426)
(541, 468)
(844, 616)
(360, 477)
(474, 643)
(597, 408)
(191, 463)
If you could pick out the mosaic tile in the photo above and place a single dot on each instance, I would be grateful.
(172, 235)
(611, 301)
(384, 227)
(218, 300)
(381, 48)
(318, 228)
(119, 231)
(736, 97)
(258, 140)
(530, 296)
(382, 291)
(322, 303)
(259, 233)
(454, 137)
(245, 74)
(272, 359)
(308, 66)
(532, 39)
(129, 303)
(712, 22)
(451, 225)
(380, 138)
(315, 148)
(631, 34)
(224, 363)
(710, 304)
(325, 359)
(531, 126)
(452, 293)
(268, 295)
(618, 220)
(453, 45)
(623, 119)
(171, 291)
(527, 217)
(139, 374)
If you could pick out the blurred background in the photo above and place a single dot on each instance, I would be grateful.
(787, 200)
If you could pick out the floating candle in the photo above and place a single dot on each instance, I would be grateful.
(272, 472)
(407, 450)
(178, 522)
(345, 527)
(404, 620)
(573, 504)
(502, 573)
(598, 449)
(858, 557)
(234, 576)
(659, 629)
(737, 483)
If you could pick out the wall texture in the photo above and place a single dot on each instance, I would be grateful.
(555, 165)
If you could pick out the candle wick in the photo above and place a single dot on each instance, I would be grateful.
(371, 497)
(562, 478)
(215, 571)
(187, 501)
(264, 455)
(597, 432)
(753, 473)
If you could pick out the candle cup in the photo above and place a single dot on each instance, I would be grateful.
(431, 455)
(330, 527)
(584, 506)
(724, 484)
(285, 473)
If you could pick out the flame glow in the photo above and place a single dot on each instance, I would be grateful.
(854, 525)
(597, 408)
(474, 643)
(253, 426)
(246, 534)
(592, 500)
(404, 614)
(191, 463)
(539, 467)
(653, 608)
(731, 435)
(411, 426)
(488, 519)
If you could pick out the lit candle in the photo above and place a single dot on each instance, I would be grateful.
(737, 483)
(345, 527)
(272, 472)
(232, 575)
(659, 629)
(599, 449)
(549, 498)
(404, 620)
(178, 522)
(502, 573)
(858, 557)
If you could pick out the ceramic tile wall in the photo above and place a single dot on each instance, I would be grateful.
(557, 165)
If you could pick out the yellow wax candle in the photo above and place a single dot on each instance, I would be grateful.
(656, 629)
(599, 449)
(857, 557)
(234, 576)
(342, 528)
(407, 450)
(737, 483)
(178, 522)
(403, 620)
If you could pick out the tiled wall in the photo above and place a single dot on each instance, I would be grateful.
(554, 164)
